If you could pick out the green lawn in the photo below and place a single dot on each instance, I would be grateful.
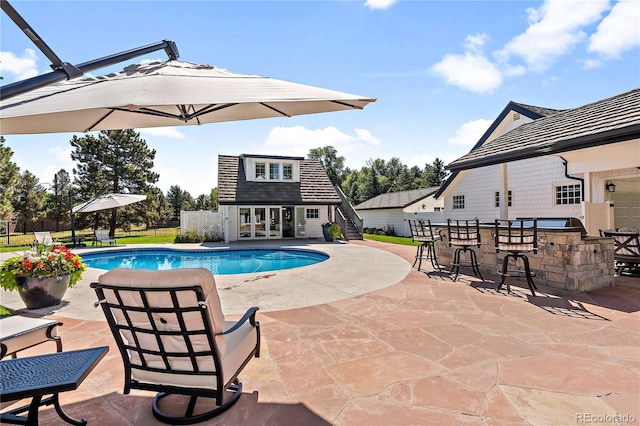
(388, 239)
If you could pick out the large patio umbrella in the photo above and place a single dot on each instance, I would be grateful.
(171, 93)
(102, 202)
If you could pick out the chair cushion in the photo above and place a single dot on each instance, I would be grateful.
(19, 332)
(515, 243)
(122, 277)
(188, 277)
(238, 345)
(463, 238)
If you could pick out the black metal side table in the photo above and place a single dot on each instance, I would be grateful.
(36, 376)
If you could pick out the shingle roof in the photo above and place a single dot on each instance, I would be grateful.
(607, 121)
(314, 186)
(392, 200)
(530, 111)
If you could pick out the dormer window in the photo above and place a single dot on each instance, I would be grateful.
(287, 171)
(274, 171)
(261, 171)
(272, 168)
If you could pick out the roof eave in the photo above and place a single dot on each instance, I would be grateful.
(587, 141)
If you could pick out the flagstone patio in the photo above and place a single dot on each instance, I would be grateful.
(423, 351)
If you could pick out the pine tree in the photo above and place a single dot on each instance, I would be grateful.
(116, 161)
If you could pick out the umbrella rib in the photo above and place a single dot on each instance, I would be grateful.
(211, 108)
(274, 109)
(88, 129)
(348, 105)
(149, 111)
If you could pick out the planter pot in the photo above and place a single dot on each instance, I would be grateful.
(42, 292)
(325, 233)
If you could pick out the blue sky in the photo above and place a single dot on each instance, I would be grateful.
(441, 70)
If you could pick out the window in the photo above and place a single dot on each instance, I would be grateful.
(260, 171)
(568, 194)
(497, 199)
(509, 198)
(313, 214)
(458, 201)
(274, 171)
(287, 171)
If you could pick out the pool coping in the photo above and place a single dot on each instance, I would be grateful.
(350, 270)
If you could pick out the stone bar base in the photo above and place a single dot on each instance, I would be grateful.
(565, 260)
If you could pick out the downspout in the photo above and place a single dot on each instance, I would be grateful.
(566, 174)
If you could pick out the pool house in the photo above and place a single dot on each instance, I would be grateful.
(265, 197)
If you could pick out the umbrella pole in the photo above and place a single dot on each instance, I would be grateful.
(73, 227)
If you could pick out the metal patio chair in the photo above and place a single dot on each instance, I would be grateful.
(174, 339)
(424, 234)
(516, 237)
(464, 234)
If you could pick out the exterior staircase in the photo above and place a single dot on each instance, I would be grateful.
(348, 218)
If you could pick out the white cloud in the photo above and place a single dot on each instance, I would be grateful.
(591, 63)
(366, 136)
(379, 4)
(58, 158)
(298, 140)
(474, 42)
(20, 67)
(555, 29)
(163, 132)
(470, 132)
(619, 31)
(470, 71)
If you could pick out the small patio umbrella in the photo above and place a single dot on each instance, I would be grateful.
(170, 93)
(108, 201)
(102, 202)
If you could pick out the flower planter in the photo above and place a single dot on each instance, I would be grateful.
(42, 292)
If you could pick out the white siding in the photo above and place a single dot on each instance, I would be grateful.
(384, 217)
(427, 204)
(313, 227)
(532, 184)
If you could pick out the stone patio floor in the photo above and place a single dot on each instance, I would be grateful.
(424, 351)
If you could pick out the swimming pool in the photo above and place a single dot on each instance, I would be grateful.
(219, 262)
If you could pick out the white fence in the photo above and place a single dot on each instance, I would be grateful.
(204, 222)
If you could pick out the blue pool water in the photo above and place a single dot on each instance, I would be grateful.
(220, 262)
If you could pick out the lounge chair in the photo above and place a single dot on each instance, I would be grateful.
(102, 236)
(42, 238)
(174, 339)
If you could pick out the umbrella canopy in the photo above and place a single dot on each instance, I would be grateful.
(158, 94)
(108, 201)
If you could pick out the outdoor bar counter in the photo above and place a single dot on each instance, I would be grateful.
(566, 259)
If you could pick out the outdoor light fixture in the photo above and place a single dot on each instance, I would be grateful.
(611, 187)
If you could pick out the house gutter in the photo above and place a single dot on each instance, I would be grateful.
(566, 174)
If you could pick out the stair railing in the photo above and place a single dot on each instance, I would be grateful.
(348, 212)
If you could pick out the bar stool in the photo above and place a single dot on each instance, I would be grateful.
(515, 238)
(464, 234)
(424, 234)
